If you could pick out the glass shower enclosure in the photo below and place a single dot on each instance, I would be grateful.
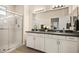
(10, 30)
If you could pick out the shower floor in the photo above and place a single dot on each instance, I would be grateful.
(24, 49)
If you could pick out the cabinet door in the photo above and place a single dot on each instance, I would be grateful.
(68, 46)
(30, 41)
(51, 45)
(39, 43)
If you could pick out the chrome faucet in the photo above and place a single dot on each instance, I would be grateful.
(63, 29)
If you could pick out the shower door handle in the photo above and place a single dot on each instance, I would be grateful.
(18, 25)
(16, 21)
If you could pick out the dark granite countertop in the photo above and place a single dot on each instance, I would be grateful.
(56, 33)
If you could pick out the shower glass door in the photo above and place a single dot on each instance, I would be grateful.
(3, 34)
(10, 31)
(15, 31)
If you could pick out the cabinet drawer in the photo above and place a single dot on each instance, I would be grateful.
(35, 34)
(39, 35)
(30, 34)
(54, 36)
(50, 36)
(72, 38)
(61, 37)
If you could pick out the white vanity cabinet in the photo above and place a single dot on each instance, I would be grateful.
(30, 40)
(39, 42)
(36, 41)
(69, 45)
(51, 45)
(61, 44)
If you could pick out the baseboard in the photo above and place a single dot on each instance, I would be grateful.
(13, 48)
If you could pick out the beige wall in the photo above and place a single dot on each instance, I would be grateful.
(11, 7)
(19, 9)
(27, 20)
(73, 10)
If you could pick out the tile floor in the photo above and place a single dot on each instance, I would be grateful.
(24, 49)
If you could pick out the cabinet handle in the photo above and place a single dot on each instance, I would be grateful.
(33, 38)
(58, 42)
(16, 21)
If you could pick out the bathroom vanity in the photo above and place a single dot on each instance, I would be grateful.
(53, 42)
